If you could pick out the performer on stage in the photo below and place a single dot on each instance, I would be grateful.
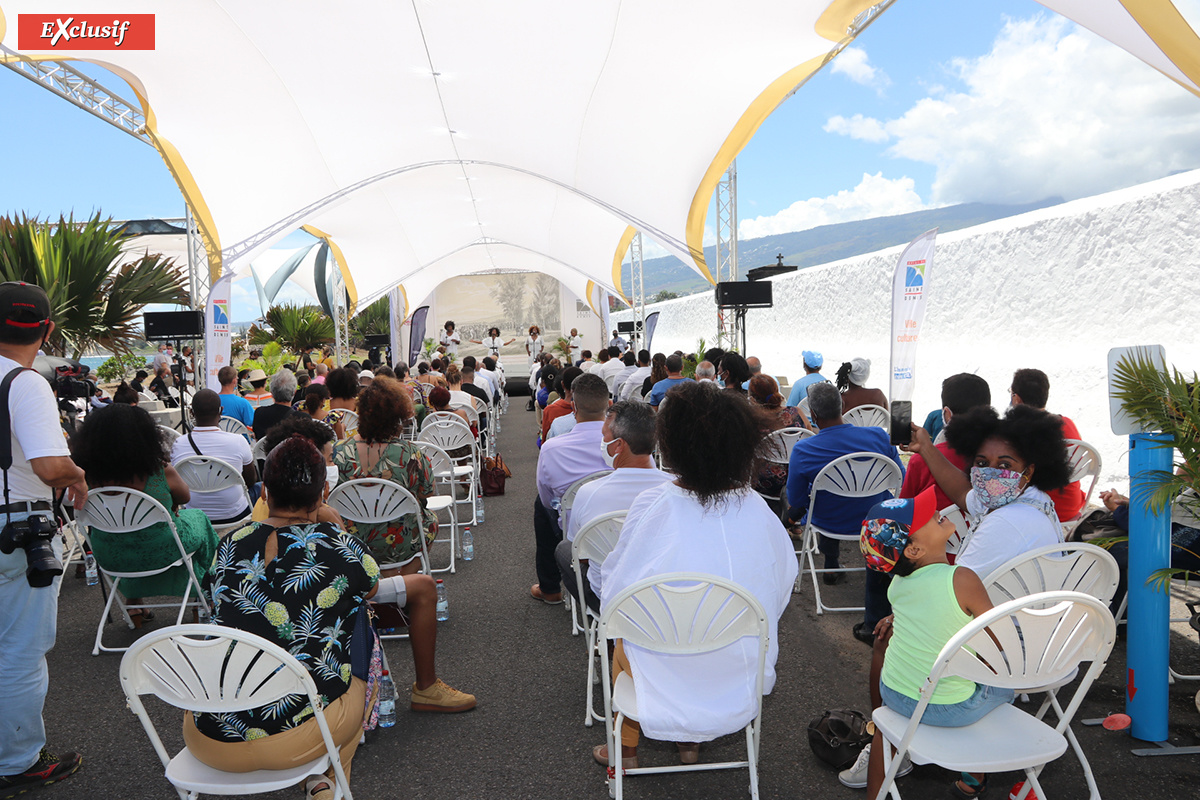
(493, 342)
(450, 339)
(534, 344)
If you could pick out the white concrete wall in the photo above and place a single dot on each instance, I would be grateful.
(1052, 289)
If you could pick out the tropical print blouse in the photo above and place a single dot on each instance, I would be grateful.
(304, 601)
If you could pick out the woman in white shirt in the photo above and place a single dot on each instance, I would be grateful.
(450, 338)
(534, 344)
(493, 342)
(574, 346)
(708, 520)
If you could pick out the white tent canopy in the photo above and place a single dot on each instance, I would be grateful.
(427, 137)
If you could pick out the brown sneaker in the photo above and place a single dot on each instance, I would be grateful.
(549, 599)
(441, 697)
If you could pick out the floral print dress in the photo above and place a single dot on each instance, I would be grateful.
(304, 600)
(401, 462)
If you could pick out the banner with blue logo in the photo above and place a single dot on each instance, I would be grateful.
(910, 290)
(218, 331)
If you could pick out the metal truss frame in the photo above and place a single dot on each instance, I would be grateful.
(638, 291)
(728, 320)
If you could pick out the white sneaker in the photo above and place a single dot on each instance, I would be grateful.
(856, 776)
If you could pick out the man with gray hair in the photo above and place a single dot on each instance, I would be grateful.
(283, 390)
(840, 515)
(627, 444)
(705, 371)
(756, 368)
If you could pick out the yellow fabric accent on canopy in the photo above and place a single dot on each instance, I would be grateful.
(351, 290)
(591, 287)
(834, 21)
(618, 260)
(1163, 23)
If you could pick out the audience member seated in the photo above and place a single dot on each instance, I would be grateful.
(933, 601)
(121, 446)
(283, 389)
(708, 520)
(628, 447)
(705, 371)
(562, 461)
(1031, 387)
(377, 451)
(341, 576)
(562, 406)
(774, 415)
(206, 439)
(439, 401)
(125, 394)
(321, 370)
(482, 386)
(658, 372)
(633, 383)
(163, 385)
(1015, 460)
(734, 372)
(852, 379)
(302, 383)
(755, 367)
(960, 394)
(674, 377)
(343, 387)
(812, 374)
(629, 359)
(456, 381)
(840, 515)
(233, 404)
(586, 363)
(321, 436)
(138, 382)
(316, 405)
(258, 394)
(1185, 536)
(612, 367)
(494, 373)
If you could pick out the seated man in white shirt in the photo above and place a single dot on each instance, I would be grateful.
(561, 462)
(634, 382)
(628, 447)
(587, 363)
(206, 439)
(630, 366)
(610, 368)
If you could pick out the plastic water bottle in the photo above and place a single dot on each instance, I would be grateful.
(443, 604)
(387, 701)
(479, 509)
(468, 545)
(89, 569)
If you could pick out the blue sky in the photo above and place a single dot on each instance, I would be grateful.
(939, 102)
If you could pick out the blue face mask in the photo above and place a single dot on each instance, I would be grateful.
(720, 382)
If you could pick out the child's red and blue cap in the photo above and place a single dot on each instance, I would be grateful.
(887, 528)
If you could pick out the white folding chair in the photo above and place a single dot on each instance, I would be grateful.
(962, 529)
(259, 453)
(684, 614)
(349, 422)
(452, 434)
(567, 501)
(117, 510)
(1029, 642)
(217, 670)
(442, 465)
(149, 397)
(868, 417)
(206, 474)
(170, 433)
(777, 449)
(377, 501)
(593, 543)
(848, 477)
(232, 425)
(471, 412)
(1085, 463)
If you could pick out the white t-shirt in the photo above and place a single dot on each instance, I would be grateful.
(1007, 532)
(36, 432)
(615, 492)
(450, 341)
(459, 397)
(609, 371)
(701, 697)
(634, 383)
(576, 346)
(535, 345)
(231, 448)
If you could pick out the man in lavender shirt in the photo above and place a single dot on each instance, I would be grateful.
(562, 461)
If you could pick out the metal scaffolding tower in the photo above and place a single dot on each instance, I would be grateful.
(638, 291)
(728, 322)
(341, 317)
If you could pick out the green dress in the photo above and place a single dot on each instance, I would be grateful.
(153, 547)
(404, 463)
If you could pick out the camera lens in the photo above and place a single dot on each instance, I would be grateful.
(44, 565)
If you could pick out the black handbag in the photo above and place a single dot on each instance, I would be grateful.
(362, 642)
(838, 736)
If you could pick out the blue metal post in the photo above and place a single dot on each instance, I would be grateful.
(1149, 608)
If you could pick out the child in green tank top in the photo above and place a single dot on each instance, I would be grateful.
(931, 602)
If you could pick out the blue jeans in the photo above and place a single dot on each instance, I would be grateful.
(950, 715)
(28, 617)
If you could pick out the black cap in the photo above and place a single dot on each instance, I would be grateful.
(23, 305)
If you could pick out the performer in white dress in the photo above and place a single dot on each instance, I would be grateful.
(493, 342)
(450, 339)
(534, 344)
(575, 346)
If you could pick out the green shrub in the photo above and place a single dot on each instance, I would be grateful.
(120, 367)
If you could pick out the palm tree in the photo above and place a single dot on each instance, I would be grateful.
(512, 299)
(97, 292)
(296, 328)
(545, 305)
(373, 320)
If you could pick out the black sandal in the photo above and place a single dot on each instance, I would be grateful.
(974, 787)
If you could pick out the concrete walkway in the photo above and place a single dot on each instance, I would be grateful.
(527, 740)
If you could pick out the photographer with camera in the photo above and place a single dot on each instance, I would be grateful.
(38, 461)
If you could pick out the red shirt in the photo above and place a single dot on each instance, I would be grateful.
(1068, 501)
(918, 477)
(552, 412)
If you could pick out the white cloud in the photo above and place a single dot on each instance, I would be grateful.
(875, 196)
(1051, 110)
(855, 65)
(867, 129)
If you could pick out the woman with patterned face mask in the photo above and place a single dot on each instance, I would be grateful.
(1014, 461)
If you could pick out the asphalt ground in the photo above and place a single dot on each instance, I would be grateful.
(526, 739)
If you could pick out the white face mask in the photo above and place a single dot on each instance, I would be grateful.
(331, 476)
(608, 458)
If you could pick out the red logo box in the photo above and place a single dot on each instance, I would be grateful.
(42, 32)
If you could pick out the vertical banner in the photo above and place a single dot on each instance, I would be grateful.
(910, 285)
(396, 314)
(416, 337)
(217, 331)
(651, 324)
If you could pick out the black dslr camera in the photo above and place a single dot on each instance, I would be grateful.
(34, 535)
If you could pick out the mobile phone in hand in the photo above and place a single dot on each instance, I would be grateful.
(901, 421)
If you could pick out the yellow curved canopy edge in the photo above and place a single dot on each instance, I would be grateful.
(834, 21)
(618, 259)
(1163, 23)
(745, 129)
(342, 266)
(404, 298)
(591, 287)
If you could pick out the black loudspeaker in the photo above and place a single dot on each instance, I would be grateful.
(377, 339)
(163, 325)
(744, 294)
(626, 327)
